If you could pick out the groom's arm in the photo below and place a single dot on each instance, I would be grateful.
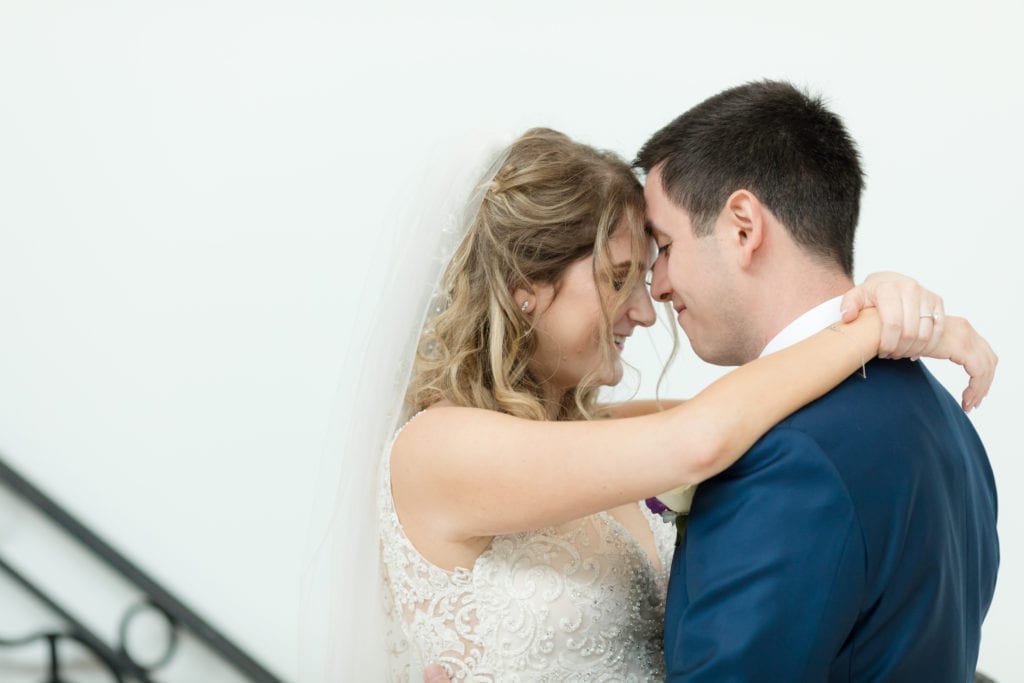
(767, 584)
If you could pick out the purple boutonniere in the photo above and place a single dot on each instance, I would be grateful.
(659, 508)
(673, 503)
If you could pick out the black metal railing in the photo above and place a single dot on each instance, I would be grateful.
(117, 659)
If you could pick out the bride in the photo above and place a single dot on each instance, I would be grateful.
(512, 543)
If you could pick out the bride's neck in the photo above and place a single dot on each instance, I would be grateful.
(551, 400)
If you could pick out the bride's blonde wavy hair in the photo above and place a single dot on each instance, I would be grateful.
(552, 202)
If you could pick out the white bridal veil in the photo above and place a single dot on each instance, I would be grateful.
(341, 625)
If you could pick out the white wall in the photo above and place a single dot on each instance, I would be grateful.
(190, 192)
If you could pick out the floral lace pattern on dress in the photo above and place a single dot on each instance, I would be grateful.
(579, 601)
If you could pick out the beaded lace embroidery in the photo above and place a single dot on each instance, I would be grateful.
(580, 601)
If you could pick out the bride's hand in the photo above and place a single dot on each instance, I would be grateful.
(912, 316)
(435, 673)
(961, 344)
(914, 324)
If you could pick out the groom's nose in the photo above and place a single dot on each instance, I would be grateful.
(641, 312)
(661, 290)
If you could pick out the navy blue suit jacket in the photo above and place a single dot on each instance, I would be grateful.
(856, 541)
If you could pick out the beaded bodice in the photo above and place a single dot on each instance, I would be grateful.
(580, 601)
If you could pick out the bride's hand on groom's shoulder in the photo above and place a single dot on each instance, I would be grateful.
(915, 324)
(912, 317)
(962, 344)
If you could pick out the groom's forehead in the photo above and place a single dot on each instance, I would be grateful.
(651, 229)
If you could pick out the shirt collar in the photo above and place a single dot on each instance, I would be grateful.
(814, 320)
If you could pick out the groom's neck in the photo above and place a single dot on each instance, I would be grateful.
(794, 293)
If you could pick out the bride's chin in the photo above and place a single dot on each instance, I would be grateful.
(614, 375)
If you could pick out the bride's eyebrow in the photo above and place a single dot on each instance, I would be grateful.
(622, 268)
(651, 229)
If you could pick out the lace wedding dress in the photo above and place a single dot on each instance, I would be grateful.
(576, 602)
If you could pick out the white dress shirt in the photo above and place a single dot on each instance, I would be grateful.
(814, 320)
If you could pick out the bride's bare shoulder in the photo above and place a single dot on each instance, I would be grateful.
(438, 424)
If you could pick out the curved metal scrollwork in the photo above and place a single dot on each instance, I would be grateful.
(53, 639)
(131, 613)
(114, 662)
(123, 660)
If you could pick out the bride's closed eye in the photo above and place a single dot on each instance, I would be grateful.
(620, 276)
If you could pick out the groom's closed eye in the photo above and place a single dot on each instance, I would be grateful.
(661, 242)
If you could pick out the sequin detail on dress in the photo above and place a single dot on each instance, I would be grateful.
(580, 601)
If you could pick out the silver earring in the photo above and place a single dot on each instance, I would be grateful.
(523, 306)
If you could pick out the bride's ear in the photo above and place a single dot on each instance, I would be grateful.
(534, 298)
(525, 298)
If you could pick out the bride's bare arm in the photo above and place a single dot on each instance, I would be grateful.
(465, 474)
(468, 473)
(640, 407)
(908, 331)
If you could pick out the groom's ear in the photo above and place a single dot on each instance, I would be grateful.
(744, 220)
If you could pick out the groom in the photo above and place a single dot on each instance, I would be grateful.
(857, 539)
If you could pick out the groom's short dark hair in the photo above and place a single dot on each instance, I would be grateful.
(776, 141)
